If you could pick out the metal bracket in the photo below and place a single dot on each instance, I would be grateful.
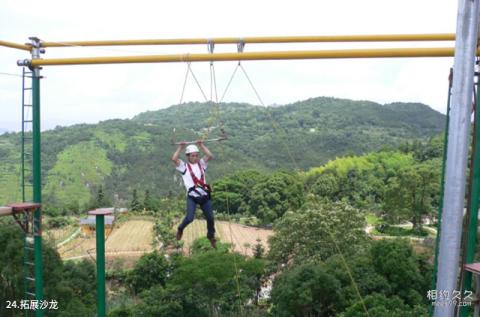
(240, 45)
(211, 48)
(36, 44)
(26, 220)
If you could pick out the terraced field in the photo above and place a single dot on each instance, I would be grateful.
(133, 237)
(242, 237)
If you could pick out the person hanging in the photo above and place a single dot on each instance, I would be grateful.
(198, 192)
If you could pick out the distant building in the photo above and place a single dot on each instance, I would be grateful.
(120, 211)
(88, 225)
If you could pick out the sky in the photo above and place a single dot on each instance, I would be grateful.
(89, 94)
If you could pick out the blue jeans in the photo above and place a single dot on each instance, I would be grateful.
(207, 212)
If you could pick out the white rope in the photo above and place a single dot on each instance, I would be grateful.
(229, 82)
(10, 74)
(184, 85)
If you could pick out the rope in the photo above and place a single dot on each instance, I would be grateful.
(229, 82)
(184, 85)
(216, 109)
(277, 127)
(198, 83)
(233, 249)
(101, 48)
(10, 74)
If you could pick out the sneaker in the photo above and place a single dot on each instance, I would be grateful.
(179, 234)
(213, 242)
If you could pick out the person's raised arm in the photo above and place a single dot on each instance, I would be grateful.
(208, 155)
(175, 155)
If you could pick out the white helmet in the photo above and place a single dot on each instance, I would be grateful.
(192, 148)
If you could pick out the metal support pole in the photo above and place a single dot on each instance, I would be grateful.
(37, 175)
(442, 188)
(453, 203)
(100, 235)
(268, 55)
(474, 204)
(100, 240)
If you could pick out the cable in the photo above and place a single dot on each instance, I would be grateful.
(10, 74)
(229, 82)
(184, 84)
(277, 127)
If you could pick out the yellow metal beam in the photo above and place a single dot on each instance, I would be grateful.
(264, 39)
(273, 55)
(15, 45)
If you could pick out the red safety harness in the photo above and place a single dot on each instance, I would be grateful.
(199, 183)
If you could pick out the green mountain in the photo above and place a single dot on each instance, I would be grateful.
(123, 155)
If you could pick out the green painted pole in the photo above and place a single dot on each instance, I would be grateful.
(100, 233)
(442, 190)
(37, 175)
(37, 186)
(474, 204)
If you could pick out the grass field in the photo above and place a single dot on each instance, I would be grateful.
(243, 238)
(58, 235)
(133, 237)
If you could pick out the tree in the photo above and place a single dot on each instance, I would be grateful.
(275, 195)
(232, 193)
(212, 282)
(306, 290)
(70, 290)
(413, 193)
(378, 305)
(327, 185)
(397, 262)
(317, 232)
(157, 301)
(258, 249)
(102, 200)
(202, 245)
(135, 203)
(148, 202)
(150, 270)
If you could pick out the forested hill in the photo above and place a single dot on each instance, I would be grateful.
(122, 155)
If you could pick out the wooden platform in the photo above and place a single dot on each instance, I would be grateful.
(5, 211)
(473, 267)
(18, 208)
(101, 212)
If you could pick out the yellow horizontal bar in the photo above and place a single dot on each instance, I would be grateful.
(265, 39)
(274, 55)
(15, 45)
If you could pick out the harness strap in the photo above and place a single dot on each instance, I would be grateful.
(197, 181)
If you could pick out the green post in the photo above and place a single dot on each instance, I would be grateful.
(100, 231)
(474, 204)
(442, 189)
(100, 237)
(37, 186)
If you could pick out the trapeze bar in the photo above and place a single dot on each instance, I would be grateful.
(204, 141)
(15, 45)
(270, 55)
(262, 39)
